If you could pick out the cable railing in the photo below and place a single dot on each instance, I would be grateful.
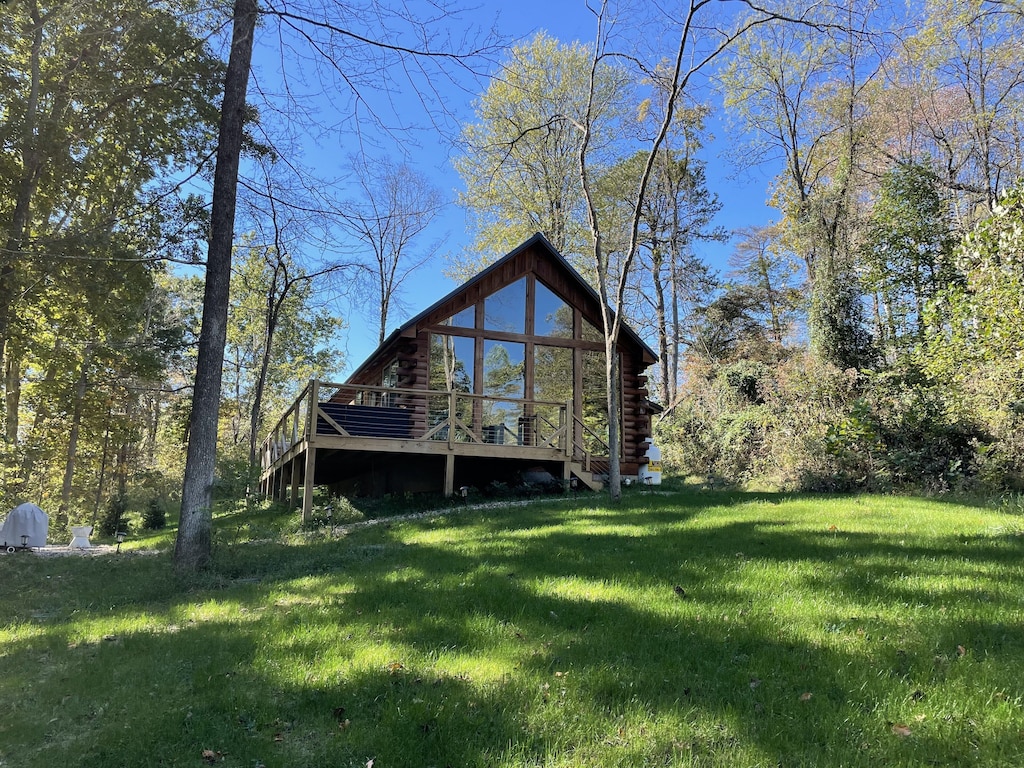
(329, 410)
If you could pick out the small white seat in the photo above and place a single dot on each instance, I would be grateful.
(80, 535)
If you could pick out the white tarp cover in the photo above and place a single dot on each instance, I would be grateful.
(25, 519)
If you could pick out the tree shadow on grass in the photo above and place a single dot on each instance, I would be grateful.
(503, 646)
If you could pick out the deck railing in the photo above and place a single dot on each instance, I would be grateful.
(394, 413)
(589, 448)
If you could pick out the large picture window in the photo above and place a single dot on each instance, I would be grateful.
(451, 363)
(595, 402)
(552, 382)
(504, 368)
(505, 310)
(451, 370)
(504, 376)
(552, 316)
(520, 386)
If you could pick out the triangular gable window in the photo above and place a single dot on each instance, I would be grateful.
(552, 315)
(591, 332)
(505, 310)
(464, 319)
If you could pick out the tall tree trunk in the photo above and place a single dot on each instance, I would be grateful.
(192, 549)
(273, 313)
(31, 166)
(41, 417)
(677, 335)
(769, 292)
(12, 393)
(662, 323)
(103, 469)
(611, 349)
(72, 452)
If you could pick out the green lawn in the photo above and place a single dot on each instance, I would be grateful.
(811, 631)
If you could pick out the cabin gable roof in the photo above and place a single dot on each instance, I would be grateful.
(536, 256)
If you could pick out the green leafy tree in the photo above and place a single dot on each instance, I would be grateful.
(671, 76)
(961, 83)
(519, 163)
(976, 331)
(98, 100)
(677, 213)
(276, 338)
(906, 253)
(801, 90)
(771, 276)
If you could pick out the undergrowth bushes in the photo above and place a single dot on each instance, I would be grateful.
(803, 425)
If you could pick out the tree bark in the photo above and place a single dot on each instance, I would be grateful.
(12, 392)
(72, 451)
(193, 547)
(103, 470)
(26, 186)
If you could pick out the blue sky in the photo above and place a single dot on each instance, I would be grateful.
(742, 195)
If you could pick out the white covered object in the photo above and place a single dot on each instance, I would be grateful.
(25, 520)
(650, 473)
(80, 536)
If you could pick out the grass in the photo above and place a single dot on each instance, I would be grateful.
(811, 631)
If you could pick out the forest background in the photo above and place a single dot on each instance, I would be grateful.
(869, 336)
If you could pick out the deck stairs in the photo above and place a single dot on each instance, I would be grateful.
(590, 478)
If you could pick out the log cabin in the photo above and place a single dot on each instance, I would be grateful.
(501, 380)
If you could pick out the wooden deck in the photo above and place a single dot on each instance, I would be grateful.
(379, 439)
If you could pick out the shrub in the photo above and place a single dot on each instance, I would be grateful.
(899, 435)
(154, 517)
(115, 517)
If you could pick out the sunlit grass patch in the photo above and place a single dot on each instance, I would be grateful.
(671, 629)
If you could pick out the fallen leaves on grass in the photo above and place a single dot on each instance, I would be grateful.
(901, 730)
(211, 757)
(807, 696)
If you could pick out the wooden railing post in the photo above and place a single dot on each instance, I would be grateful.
(309, 470)
(569, 432)
(314, 405)
(452, 405)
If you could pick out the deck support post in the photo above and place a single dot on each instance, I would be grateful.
(309, 469)
(308, 476)
(294, 474)
(449, 474)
